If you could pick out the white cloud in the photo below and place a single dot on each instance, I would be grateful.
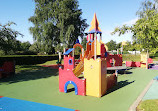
(130, 22)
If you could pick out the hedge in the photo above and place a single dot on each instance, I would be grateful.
(29, 59)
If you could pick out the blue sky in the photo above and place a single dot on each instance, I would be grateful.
(110, 13)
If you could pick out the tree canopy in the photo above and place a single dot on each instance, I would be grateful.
(84, 42)
(8, 37)
(57, 22)
(111, 45)
(145, 30)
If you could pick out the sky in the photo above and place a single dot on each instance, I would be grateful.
(110, 14)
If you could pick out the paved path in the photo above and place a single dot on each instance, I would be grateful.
(152, 92)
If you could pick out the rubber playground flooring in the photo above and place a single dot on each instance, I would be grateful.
(12, 104)
(42, 86)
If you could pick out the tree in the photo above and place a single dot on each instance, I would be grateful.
(57, 21)
(8, 37)
(34, 47)
(111, 45)
(25, 46)
(84, 42)
(145, 30)
(59, 48)
(146, 6)
(118, 45)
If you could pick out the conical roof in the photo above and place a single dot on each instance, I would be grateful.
(95, 25)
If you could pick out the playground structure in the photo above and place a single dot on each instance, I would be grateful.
(7, 69)
(144, 62)
(89, 73)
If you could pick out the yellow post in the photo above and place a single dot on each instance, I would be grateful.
(95, 45)
(147, 60)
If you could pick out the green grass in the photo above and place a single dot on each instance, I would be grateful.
(50, 62)
(148, 105)
(130, 57)
(25, 68)
(40, 84)
(155, 58)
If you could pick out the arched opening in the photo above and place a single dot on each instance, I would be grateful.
(70, 82)
(70, 61)
(79, 45)
(70, 88)
(113, 62)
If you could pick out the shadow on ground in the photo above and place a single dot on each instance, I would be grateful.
(70, 90)
(122, 71)
(119, 85)
(29, 72)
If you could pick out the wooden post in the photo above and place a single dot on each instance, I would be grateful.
(59, 56)
(95, 47)
(147, 60)
(88, 37)
(64, 51)
(117, 51)
(82, 52)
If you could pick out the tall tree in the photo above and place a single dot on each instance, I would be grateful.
(25, 46)
(118, 45)
(57, 21)
(8, 37)
(83, 43)
(145, 30)
(111, 45)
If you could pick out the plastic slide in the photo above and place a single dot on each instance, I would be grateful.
(80, 67)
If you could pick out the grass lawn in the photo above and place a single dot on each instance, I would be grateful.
(148, 105)
(155, 59)
(49, 62)
(40, 84)
(131, 57)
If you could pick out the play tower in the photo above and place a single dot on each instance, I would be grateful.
(89, 75)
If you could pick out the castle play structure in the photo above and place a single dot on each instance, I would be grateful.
(89, 76)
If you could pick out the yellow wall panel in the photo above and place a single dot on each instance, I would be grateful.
(95, 74)
(91, 73)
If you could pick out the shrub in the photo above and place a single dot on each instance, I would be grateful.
(2, 52)
(28, 59)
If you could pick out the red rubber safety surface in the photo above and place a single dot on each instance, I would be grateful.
(1, 96)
